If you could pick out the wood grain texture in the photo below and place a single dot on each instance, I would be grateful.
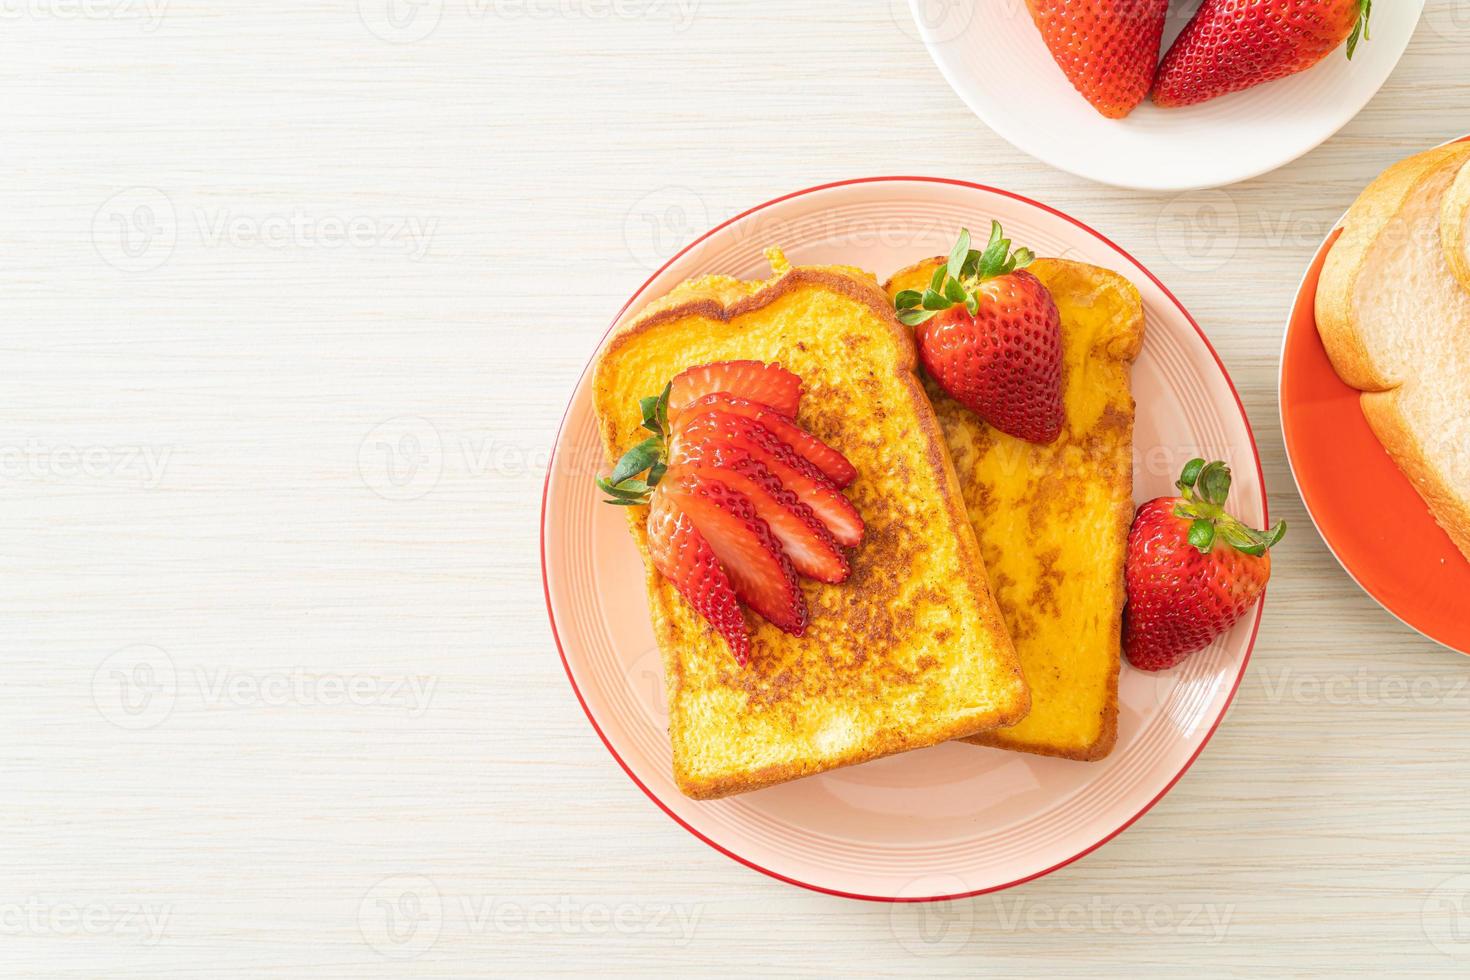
(291, 312)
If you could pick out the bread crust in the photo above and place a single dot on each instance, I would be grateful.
(724, 300)
(1454, 225)
(1371, 216)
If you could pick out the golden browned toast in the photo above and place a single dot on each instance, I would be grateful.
(911, 649)
(1053, 519)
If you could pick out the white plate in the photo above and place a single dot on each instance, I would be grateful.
(994, 58)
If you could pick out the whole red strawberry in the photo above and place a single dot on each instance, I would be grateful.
(1191, 570)
(1108, 49)
(990, 335)
(1231, 45)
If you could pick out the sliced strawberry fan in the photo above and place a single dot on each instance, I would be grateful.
(742, 500)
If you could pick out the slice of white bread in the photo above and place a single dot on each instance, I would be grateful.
(1395, 320)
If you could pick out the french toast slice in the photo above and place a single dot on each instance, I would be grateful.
(911, 650)
(1052, 520)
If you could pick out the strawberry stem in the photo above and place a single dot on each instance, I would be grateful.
(1360, 27)
(1203, 489)
(955, 281)
(622, 485)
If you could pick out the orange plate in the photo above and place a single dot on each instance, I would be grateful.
(1369, 514)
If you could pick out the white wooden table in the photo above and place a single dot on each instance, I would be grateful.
(293, 295)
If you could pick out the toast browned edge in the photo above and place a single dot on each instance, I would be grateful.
(1108, 731)
(1375, 207)
(938, 457)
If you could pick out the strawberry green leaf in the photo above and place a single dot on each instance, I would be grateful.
(993, 259)
(1240, 538)
(935, 301)
(937, 280)
(958, 254)
(1360, 27)
(1214, 483)
(1277, 532)
(1023, 257)
(663, 407)
(637, 459)
(629, 491)
(972, 304)
(954, 292)
(1202, 534)
(1190, 473)
(907, 299)
(912, 318)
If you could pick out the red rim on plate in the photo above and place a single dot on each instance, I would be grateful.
(1369, 514)
(1104, 838)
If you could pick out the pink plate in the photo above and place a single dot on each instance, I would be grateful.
(953, 820)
